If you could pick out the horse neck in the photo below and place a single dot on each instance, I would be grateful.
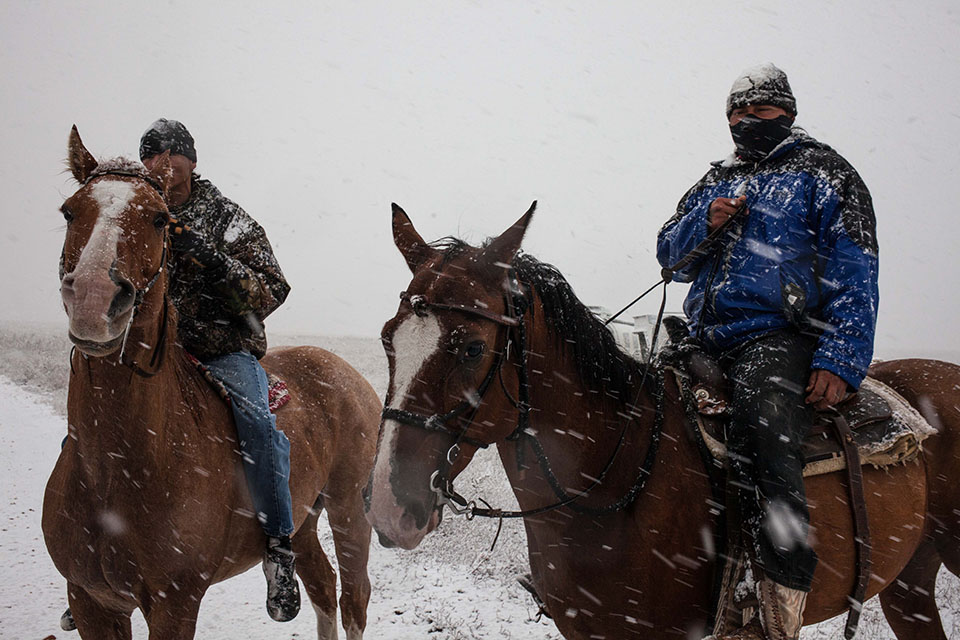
(579, 427)
(116, 409)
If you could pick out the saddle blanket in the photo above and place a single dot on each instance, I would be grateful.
(277, 392)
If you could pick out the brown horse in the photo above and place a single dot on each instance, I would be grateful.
(147, 505)
(493, 347)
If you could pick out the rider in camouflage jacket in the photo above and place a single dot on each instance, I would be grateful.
(224, 280)
(221, 310)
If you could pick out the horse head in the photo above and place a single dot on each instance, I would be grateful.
(446, 346)
(115, 246)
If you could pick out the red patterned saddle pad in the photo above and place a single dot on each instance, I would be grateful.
(277, 392)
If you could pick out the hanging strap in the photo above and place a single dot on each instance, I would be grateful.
(861, 524)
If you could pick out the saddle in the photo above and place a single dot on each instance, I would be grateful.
(875, 425)
(885, 428)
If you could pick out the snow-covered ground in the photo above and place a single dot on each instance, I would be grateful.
(451, 588)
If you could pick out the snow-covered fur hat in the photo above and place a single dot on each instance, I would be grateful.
(167, 134)
(763, 84)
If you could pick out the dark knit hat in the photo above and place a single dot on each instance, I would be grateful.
(763, 84)
(167, 134)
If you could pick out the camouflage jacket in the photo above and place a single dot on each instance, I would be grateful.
(221, 311)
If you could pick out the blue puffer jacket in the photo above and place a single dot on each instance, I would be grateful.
(804, 256)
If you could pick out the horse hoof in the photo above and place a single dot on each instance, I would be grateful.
(66, 621)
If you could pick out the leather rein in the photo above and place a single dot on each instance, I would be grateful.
(441, 484)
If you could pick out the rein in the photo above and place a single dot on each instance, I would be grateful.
(667, 273)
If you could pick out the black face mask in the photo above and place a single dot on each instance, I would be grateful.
(756, 138)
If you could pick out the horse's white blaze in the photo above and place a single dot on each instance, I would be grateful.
(414, 343)
(91, 288)
(113, 198)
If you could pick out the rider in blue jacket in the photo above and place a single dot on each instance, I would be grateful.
(787, 303)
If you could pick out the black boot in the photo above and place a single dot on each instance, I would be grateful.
(283, 592)
(66, 621)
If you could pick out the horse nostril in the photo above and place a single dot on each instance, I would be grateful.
(419, 514)
(66, 287)
(123, 300)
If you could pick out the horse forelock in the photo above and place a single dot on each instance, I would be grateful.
(120, 165)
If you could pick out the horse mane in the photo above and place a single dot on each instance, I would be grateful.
(600, 361)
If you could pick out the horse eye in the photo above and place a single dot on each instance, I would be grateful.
(474, 350)
(67, 215)
(160, 221)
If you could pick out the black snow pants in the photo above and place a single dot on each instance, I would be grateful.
(769, 422)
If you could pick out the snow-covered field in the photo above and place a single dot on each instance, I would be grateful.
(451, 588)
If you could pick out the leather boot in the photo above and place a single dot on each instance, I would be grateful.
(781, 610)
(66, 621)
(283, 592)
(781, 615)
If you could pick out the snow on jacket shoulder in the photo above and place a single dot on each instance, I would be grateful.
(222, 312)
(805, 255)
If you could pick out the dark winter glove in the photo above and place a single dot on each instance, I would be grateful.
(183, 239)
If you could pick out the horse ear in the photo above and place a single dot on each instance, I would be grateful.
(415, 251)
(162, 172)
(81, 162)
(504, 247)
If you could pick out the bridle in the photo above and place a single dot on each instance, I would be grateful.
(138, 297)
(439, 422)
(140, 294)
(517, 305)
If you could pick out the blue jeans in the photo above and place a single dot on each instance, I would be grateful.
(265, 451)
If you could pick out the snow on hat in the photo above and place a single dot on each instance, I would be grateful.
(763, 84)
(167, 134)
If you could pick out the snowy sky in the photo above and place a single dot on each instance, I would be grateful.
(315, 116)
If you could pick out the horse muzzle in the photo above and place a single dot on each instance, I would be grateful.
(402, 531)
(397, 525)
(98, 310)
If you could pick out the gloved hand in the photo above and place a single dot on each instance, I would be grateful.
(183, 239)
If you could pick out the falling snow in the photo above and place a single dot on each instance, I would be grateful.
(451, 588)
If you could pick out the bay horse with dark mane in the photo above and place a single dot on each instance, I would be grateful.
(492, 347)
(147, 505)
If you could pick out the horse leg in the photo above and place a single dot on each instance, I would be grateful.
(908, 602)
(95, 621)
(318, 577)
(351, 537)
(173, 616)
